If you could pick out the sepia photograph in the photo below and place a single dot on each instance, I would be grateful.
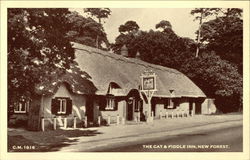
(120, 79)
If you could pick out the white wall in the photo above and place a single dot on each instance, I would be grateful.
(78, 107)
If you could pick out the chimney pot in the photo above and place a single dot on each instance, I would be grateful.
(138, 55)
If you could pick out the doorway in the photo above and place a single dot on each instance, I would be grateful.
(134, 105)
(191, 103)
(90, 108)
(197, 108)
(134, 108)
(130, 108)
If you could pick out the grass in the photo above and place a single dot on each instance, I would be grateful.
(44, 141)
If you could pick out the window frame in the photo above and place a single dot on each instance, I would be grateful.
(61, 106)
(169, 104)
(20, 105)
(110, 104)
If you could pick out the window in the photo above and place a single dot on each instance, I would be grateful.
(61, 106)
(21, 107)
(110, 104)
(169, 104)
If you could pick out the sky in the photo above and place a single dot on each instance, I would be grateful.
(180, 19)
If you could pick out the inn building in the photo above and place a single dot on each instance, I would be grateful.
(108, 88)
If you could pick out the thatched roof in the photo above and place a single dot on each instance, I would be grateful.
(76, 81)
(104, 68)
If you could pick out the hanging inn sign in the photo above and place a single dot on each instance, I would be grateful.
(148, 87)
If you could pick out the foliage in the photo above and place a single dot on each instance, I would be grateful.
(86, 30)
(224, 35)
(231, 12)
(217, 78)
(163, 48)
(37, 48)
(122, 39)
(201, 14)
(163, 25)
(129, 27)
(99, 13)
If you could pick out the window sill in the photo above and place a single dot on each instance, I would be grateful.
(109, 109)
(20, 112)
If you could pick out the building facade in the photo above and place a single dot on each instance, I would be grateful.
(107, 88)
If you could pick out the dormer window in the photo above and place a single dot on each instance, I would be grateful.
(114, 89)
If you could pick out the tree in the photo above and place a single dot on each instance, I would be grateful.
(202, 13)
(122, 39)
(99, 13)
(85, 30)
(166, 49)
(129, 27)
(163, 48)
(217, 78)
(216, 72)
(232, 12)
(128, 33)
(224, 35)
(164, 25)
(37, 49)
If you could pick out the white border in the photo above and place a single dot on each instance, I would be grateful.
(122, 156)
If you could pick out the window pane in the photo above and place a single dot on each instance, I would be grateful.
(22, 106)
(113, 104)
(60, 106)
(16, 107)
(64, 106)
(110, 103)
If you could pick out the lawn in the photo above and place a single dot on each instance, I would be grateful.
(21, 140)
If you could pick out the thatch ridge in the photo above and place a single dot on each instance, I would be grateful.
(105, 67)
(91, 50)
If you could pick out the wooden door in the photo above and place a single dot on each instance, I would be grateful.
(130, 109)
(90, 108)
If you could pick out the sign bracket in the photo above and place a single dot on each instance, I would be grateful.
(148, 84)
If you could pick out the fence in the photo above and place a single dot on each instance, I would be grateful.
(54, 120)
(176, 114)
(110, 120)
(113, 119)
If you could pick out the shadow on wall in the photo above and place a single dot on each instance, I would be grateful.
(45, 141)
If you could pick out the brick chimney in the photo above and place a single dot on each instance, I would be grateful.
(124, 51)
